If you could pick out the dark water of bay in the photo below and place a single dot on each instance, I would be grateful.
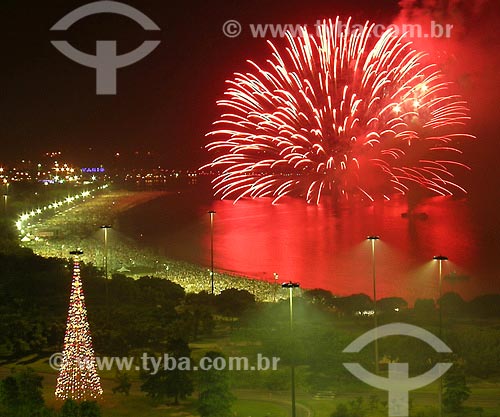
(325, 247)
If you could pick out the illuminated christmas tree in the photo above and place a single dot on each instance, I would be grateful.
(78, 378)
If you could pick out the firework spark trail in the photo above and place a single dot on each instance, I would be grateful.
(338, 110)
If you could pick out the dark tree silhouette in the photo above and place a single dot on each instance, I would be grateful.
(215, 397)
(169, 383)
(21, 393)
(456, 390)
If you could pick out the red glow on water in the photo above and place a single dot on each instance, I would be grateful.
(321, 249)
(325, 247)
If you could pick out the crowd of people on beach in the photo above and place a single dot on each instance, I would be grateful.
(79, 227)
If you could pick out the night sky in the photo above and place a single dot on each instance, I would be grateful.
(166, 102)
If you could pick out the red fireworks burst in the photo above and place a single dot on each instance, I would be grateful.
(338, 110)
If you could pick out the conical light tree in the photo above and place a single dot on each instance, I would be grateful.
(78, 378)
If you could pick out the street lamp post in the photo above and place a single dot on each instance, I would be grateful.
(373, 240)
(106, 228)
(212, 213)
(276, 277)
(291, 285)
(5, 194)
(440, 259)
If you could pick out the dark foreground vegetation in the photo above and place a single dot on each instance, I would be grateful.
(156, 316)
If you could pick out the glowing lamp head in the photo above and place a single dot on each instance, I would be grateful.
(290, 284)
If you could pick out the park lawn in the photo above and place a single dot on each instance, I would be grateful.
(256, 408)
(136, 404)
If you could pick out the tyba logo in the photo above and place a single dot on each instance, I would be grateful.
(398, 383)
(105, 61)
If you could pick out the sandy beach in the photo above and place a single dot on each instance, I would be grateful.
(78, 226)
